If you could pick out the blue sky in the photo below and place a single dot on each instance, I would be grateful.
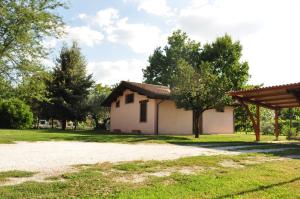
(117, 36)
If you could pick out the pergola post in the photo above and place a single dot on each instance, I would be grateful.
(276, 129)
(257, 127)
(255, 120)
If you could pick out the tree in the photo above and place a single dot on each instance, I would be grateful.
(225, 56)
(70, 86)
(198, 89)
(33, 91)
(96, 97)
(201, 83)
(14, 113)
(6, 90)
(24, 24)
(164, 61)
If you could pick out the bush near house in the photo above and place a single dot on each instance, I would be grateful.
(14, 113)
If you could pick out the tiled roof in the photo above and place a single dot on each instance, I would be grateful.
(149, 90)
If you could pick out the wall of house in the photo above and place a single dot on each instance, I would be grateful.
(179, 121)
(173, 120)
(127, 117)
(218, 122)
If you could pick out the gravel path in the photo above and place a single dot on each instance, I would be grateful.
(57, 157)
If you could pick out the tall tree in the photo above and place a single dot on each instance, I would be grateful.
(225, 56)
(201, 83)
(198, 89)
(24, 24)
(70, 86)
(164, 61)
(96, 97)
(33, 91)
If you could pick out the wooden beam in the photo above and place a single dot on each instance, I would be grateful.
(296, 93)
(254, 102)
(255, 121)
(290, 106)
(276, 129)
(286, 97)
(257, 129)
(285, 102)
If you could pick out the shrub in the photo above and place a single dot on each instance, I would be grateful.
(267, 128)
(14, 113)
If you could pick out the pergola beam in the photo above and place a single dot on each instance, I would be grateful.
(274, 98)
(247, 100)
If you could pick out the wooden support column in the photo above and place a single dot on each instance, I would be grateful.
(255, 120)
(257, 128)
(276, 129)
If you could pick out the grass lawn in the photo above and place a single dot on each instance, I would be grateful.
(205, 178)
(253, 175)
(10, 136)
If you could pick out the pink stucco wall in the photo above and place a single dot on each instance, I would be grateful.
(171, 120)
(127, 117)
(218, 122)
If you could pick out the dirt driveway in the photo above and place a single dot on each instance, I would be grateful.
(54, 158)
(58, 156)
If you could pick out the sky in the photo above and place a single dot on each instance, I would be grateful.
(117, 36)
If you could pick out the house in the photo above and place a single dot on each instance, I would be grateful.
(148, 109)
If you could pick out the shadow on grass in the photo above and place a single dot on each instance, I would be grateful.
(260, 188)
(207, 141)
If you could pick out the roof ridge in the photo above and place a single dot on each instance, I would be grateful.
(147, 84)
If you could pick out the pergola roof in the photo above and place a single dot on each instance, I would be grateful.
(273, 97)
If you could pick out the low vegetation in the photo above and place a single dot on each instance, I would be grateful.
(11, 136)
(244, 176)
(14, 174)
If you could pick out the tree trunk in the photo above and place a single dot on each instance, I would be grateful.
(64, 124)
(38, 123)
(198, 126)
(75, 125)
(52, 125)
(95, 118)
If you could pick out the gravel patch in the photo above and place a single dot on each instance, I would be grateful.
(57, 157)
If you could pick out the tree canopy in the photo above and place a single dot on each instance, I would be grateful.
(24, 24)
(163, 63)
(70, 85)
(199, 78)
(97, 95)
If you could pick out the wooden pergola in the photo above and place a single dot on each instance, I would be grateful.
(273, 97)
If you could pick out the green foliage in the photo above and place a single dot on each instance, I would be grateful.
(24, 24)
(14, 113)
(6, 90)
(33, 91)
(225, 56)
(96, 97)
(201, 82)
(70, 85)
(198, 89)
(164, 61)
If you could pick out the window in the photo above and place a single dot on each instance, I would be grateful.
(129, 98)
(143, 111)
(220, 109)
(118, 103)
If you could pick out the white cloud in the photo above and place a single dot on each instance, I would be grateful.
(82, 16)
(141, 38)
(111, 72)
(155, 7)
(84, 35)
(267, 30)
(106, 17)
